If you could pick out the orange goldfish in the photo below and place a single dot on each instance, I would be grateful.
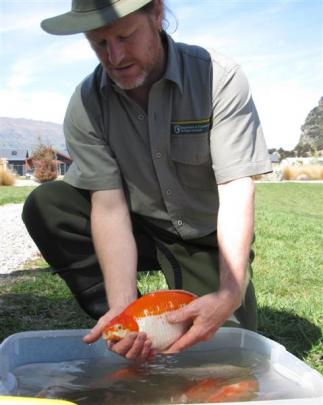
(149, 314)
(244, 390)
(214, 390)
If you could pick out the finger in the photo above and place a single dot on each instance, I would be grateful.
(181, 315)
(111, 343)
(136, 349)
(94, 334)
(147, 352)
(124, 345)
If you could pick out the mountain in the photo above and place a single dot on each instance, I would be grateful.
(21, 133)
(311, 139)
(312, 130)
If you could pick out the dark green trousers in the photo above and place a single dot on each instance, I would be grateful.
(57, 217)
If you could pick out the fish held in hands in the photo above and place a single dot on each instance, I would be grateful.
(149, 314)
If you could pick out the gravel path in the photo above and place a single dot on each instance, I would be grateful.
(16, 246)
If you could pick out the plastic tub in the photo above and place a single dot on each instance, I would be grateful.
(7, 400)
(66, 345)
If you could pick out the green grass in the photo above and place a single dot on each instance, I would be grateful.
(288, 268)
(36, 300)
(288, 277)
(12, 194)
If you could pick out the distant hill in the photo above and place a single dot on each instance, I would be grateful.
(311, 139)
(21, 133)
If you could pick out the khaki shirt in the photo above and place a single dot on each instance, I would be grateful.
(201, 129)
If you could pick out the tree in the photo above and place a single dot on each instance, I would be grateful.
(304, 149)
(45, 163)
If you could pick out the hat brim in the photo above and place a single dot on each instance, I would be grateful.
(78, 22)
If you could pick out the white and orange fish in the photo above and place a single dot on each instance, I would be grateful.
(149, 314)
(214, 390)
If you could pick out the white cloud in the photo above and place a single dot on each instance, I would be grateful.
(205, 40)
(283, 108)
(17, 15)
(74, 51)
(44, 106)
(27, 69)
(22, 72)
(20, 22)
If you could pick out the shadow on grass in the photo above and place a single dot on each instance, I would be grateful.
(296, 333)
(37, 300)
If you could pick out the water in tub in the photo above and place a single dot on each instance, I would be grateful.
(208, 377)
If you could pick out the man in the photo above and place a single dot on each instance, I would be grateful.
(164, 139)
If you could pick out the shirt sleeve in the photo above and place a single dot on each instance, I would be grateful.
(94, 167)
(238, 147)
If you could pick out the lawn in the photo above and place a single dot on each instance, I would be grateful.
(288, 275)
(12, 194)
(288, 269)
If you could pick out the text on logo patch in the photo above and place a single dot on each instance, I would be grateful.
(190, 127)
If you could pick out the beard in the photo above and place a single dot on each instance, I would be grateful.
(132, 84)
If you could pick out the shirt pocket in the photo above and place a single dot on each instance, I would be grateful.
(191, 156)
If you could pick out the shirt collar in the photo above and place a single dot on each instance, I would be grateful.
(173, 66)
(172, 71)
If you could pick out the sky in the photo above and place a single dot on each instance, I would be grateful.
(278, 43)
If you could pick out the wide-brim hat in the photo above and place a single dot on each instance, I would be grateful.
(87, 15)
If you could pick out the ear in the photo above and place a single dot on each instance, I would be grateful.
(158, 13)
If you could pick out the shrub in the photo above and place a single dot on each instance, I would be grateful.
(6, 176)
(310, 172)
(45, 164)
(45, 170)
(257, 177)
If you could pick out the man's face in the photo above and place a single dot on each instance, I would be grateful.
(129, 49)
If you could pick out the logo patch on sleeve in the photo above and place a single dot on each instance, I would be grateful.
(190, 127)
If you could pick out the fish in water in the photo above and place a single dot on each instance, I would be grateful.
(226, 383)
(213, 390)
(149, 314)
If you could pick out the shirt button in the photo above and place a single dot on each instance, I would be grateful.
(169, 191)
(158, 155)
(179, 222)
(140, 117)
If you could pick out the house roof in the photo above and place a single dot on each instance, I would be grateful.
(14, 154)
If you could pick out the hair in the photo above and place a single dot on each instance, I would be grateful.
(148, 9)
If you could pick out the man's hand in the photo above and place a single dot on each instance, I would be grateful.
(207, 313)
(135, 346)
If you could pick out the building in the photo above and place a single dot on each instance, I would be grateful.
(16, 159)
(20, 162)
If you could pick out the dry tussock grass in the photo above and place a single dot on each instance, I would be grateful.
(313, 172)
(257, 177)
(6, 177)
